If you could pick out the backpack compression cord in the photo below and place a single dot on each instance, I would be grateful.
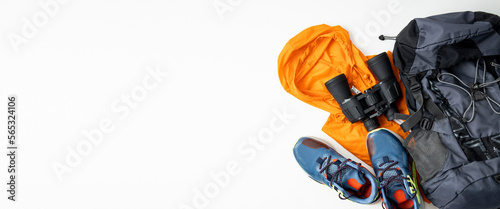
(476, 91)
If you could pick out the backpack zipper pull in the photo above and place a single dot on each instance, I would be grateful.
(383, 38)
(495, 64)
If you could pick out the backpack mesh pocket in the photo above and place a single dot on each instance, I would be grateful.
(428, 152)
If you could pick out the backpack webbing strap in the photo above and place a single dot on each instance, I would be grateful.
(415, 118)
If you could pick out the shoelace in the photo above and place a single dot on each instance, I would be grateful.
(475, 89)
(335, 177)
(395, 178)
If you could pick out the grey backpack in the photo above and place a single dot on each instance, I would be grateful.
(450, 67)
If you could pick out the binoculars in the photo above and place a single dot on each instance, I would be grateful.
(379, 99)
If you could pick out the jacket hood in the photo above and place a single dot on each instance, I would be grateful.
(316, 55)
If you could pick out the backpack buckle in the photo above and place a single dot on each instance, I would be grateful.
(426, 124)
(415, 87)
(414, 84)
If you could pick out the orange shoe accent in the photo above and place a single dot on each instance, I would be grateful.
(368, 191)
(399, 195)
(354, 184)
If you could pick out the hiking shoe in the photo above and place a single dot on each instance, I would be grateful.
(390, 163)
(324, 165)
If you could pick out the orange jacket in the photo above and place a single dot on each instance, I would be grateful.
(318, 54)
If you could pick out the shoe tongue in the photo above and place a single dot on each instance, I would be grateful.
(350, 178)
(398, 195)
(353, 180)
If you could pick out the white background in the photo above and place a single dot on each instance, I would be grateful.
(222, 90)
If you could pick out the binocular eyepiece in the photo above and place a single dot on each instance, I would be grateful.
(378, 100)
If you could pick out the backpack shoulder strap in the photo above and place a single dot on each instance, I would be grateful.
(415, 117)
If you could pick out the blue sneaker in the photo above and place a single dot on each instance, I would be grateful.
(324, 165)
(390, 163)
